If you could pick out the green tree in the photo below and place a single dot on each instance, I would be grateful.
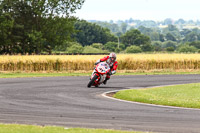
(6, 25)
(114, 28)
(184, 32)
(170, 49)
(57, 31)
(180, 22)
(168, 21)
(151, 32)
(123, 27)
(37, 21)
(157, 45)
(145, 30)
(169, 44)
(191, 37)
(195, 44)
(187, 49)
(170, 37)
(161, 38)
(113, 46)
(155, 36)
(172, 33)
(35, 38)
(64, 46)
(146, 47)
(89, 33)
(134, 37)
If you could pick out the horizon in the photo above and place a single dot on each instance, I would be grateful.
(106, 10)
(144, 20)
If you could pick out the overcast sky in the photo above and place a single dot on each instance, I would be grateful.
(156, 10)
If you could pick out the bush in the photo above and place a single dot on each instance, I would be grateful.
(157, 45)
(187, 49)
(90, 49)
(97, 45)
(113, 46)
(169, 44)
(170, 49)
(117, 50)
(76, 48)
(64, 46)
(133, 49)
(146, 47)
(195, 44)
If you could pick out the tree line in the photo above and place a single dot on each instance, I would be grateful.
(181, 23)
(169, 38)
(134, 40)
(92, 38)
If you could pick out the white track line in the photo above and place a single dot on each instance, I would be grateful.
(154, 105)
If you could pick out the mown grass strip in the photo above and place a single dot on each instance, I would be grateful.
(59, 74)
(21, 75)
(14, 128)
(187, 95)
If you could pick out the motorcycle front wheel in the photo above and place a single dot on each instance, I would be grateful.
(92, 81)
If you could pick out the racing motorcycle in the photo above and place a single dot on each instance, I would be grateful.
(99, 74)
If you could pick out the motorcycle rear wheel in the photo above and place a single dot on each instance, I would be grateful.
(92, 81)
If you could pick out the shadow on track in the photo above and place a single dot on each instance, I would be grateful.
(111, 87)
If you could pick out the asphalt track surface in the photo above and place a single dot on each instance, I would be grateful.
(66, 101)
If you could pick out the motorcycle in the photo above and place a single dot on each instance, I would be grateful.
(99, 74)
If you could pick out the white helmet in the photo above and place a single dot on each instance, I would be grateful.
(112, 56)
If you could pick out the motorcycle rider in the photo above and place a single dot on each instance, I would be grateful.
(111, 61)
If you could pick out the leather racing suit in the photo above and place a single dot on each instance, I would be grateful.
(113, 65)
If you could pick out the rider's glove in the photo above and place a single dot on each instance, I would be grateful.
(96, 63)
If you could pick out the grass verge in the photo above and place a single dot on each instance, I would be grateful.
(84, 73)
(187, 95)
(40, 74)
(14, 128)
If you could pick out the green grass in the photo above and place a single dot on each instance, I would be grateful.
(20, 75)
(187, 95)
(14, 128)
(157, 73)
(57, 74)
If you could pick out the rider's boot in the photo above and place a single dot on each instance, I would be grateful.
(105, 81)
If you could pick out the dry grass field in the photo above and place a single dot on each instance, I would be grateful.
(126, 62)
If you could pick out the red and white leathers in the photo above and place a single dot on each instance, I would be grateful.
(113, 65)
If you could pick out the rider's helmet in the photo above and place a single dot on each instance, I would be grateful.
(112, 57)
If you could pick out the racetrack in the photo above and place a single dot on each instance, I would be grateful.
(66, 101)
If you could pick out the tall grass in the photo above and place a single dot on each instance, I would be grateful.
(142, 62)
